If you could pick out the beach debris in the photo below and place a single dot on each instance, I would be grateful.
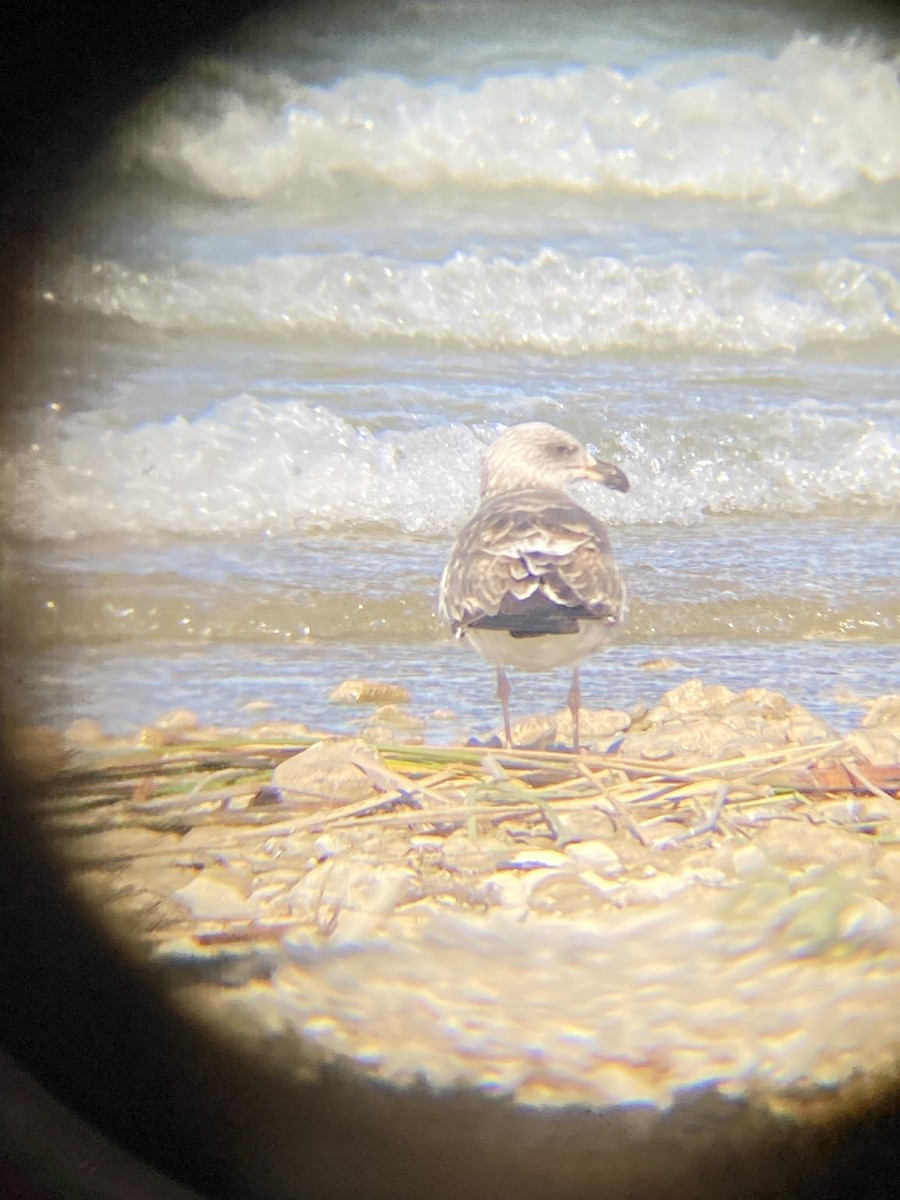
(603, 928)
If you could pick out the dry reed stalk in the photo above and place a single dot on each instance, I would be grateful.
(447, 785)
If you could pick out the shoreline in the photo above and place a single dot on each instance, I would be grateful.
(747, 891)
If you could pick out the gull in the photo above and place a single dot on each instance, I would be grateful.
(531, 581)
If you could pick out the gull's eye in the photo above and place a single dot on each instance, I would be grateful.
(563, 450)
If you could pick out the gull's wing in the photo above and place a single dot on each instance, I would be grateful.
(532, 563)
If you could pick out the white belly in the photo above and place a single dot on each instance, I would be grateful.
(541, 653)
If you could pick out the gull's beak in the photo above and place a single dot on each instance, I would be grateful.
(608, 474)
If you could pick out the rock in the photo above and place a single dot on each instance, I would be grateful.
(709, 877)
(692, 696)
(537, 731)
(529, 860)
(151, 738)
(759, 699)
(595, 854)
(863, 917)
(540, 731)
(796, 844)
(883, 711)
(511, 891)
(160, 880)
(687, 741)
(568, 893)
(889, 866)
(339, 886)
(879, 746)
(211, 899)
(658, 887)
(330, 845)
(366, 691)
(597, 726)
(178, 720)
(698, 722)
(280, 730)
(814, 920)
(474, 856)
(877, 741)
(326, 773)
(85, 732)
(750, 860)
(393, 724)
(638, 713)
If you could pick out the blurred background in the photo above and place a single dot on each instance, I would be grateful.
(310, 277)
(250, 377)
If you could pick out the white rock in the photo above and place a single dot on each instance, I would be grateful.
(526, 860)
(884, 711)
(597, 855)
(661, 887)
(326, 773)
(863, 917)
(750, 860)
(210, 899)
(181, 720)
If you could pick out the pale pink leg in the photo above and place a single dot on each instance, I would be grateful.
(503, 690)
(575, 709)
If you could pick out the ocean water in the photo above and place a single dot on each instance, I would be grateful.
(315, 275)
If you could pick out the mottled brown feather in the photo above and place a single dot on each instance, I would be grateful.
(531, 581)
(531, 562)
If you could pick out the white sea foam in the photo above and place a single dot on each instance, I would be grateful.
(253, 466)
(547, 301)
(806, 125)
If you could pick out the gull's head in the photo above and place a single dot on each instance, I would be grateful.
(538, 455)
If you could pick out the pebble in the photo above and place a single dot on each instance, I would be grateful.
(367, 691)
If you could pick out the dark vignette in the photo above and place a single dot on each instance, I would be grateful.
(80, 1018)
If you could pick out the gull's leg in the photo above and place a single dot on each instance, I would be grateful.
(575, 709)
(503, 690)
